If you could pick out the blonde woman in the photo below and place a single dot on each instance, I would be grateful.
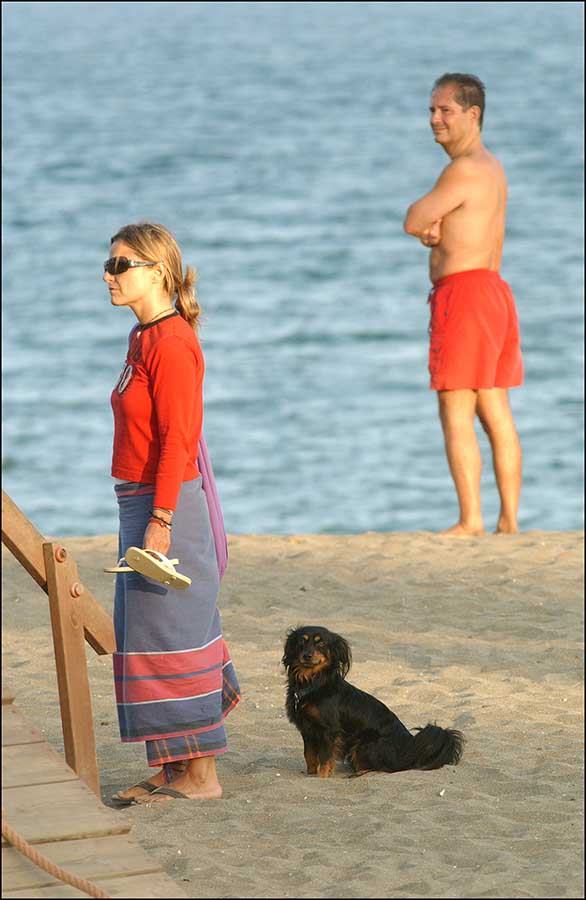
(174, 679)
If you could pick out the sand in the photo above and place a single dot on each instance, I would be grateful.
(483, 634)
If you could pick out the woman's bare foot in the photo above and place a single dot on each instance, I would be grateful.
(462, 531)
(159, 779)
(199, 781)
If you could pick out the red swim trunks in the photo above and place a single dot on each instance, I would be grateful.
(473, 333)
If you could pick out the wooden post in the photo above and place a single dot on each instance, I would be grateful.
(65, 592)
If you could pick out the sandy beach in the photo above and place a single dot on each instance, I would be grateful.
(483, 634)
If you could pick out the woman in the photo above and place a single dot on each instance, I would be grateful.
(174, 679)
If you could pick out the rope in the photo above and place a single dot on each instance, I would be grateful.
(52, 868)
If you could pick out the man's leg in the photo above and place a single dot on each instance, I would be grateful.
(496, 416)
(457, 410)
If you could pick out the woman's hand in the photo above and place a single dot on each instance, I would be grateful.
(157, 538)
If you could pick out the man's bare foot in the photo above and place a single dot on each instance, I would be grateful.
(462, 531)
(504, 527)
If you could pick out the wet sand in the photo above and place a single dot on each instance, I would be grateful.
(483, 634)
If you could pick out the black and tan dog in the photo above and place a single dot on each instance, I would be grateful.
(338, 721)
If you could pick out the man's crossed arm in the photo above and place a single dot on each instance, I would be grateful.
(424, 217)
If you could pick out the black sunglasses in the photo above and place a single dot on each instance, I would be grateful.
(117, 265)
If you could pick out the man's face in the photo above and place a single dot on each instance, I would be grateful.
(449, 121)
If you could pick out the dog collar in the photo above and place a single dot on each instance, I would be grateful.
(300, 694)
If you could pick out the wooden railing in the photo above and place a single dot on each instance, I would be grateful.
(76, 617)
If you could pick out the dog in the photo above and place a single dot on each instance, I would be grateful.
(338, 721)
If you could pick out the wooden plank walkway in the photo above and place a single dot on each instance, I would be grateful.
(47, 804)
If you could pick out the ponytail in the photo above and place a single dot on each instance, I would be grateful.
(186, 302)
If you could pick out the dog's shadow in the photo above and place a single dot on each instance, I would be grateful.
(291, 766)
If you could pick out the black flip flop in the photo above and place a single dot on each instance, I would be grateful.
(169, 792)
(129, 801)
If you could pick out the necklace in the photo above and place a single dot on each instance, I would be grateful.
(160, 313)
(150, 322)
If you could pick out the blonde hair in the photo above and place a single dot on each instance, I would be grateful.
(155, 243)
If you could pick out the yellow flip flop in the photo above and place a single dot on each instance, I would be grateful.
(155, 565)
(122, 567)
(119, 567)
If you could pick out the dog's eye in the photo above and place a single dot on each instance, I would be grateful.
(317, 639)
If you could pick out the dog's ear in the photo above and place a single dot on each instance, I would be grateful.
(342, 655)
(289, 650)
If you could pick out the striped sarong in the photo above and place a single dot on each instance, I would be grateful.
(174, 680)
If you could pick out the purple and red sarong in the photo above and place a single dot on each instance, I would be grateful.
(175, 682)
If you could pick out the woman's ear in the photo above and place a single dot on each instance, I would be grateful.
(157, 273)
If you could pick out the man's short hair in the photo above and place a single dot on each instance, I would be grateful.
(470, 90)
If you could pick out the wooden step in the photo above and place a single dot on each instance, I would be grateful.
(155, 885)
(63, 811)
(96, 859)
(28, 764)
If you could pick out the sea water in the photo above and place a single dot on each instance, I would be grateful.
(282, 143)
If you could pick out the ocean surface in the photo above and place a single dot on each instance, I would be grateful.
(282, 143)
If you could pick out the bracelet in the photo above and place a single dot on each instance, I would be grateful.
(154, 515)
(160, 522)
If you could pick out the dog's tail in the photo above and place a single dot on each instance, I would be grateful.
(436, 747)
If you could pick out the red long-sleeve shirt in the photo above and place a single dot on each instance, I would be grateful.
(158, 408)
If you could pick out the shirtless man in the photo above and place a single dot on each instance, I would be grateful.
(474, 353)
